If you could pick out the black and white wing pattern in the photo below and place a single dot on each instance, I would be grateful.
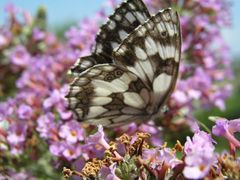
(140, 80)
(152, 52)
(109, 95)
(125, 19)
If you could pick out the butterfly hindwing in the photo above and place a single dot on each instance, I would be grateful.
(152, 52)
(109, 95)
(129, 15)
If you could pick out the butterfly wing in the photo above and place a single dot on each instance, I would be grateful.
(152, 52)
(109, 95)
(125, 19)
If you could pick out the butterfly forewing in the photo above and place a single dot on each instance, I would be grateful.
(109, 95)
(125, 19)
(152, 52)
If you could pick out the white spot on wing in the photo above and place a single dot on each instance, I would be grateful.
(74, 90)
(79, 112)
(102, 121)
(119, 83)
(97, 101)
(141, 31)
(161, 51)
(169, 29)
(107, 68)
(99, 48)
(114, 88)
(150, 46)
(130, 17)
(177, 57)
(101, 91)
(95, 111)
(114, 44)
(162, 83)
(147, 67)
(140, 17)
(122, 34)
(125, 78)
(161, 27)
(118, 17)
(72, 102)
(111, 25)
(133, 99)
(137, 69)
(170, 51)
(132, 6)
(140, 53)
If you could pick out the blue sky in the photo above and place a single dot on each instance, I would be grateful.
(62, 11)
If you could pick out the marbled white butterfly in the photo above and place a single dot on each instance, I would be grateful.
(132, 70)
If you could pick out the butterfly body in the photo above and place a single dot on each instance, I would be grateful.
(132, 72)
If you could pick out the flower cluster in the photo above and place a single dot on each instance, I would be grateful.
(132, 157)
(33, 83)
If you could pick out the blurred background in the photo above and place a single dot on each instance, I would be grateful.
(61, 16)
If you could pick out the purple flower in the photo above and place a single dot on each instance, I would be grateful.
(38, 35)
(108, 173)
(159, 156)
(199, 155)
(56, 148)
(54, 98)
(17, 133)
(62, 149)
(47, 127)
(226, 128)
(72, 132)
(24, 111)
(71, 152)
(16, 137)
(90, 151)
(155, 132)
(98, 141)
(98, 138)
(20, 56)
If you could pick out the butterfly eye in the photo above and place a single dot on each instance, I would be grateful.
(118, 73)
(109, 77)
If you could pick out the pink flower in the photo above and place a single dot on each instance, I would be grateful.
(200, 155)
(72, 131)
(159, 156)
(226, 129)
(24, 111)
(20, 56)
(108, 173)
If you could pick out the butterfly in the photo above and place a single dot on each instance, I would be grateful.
(132, 70)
